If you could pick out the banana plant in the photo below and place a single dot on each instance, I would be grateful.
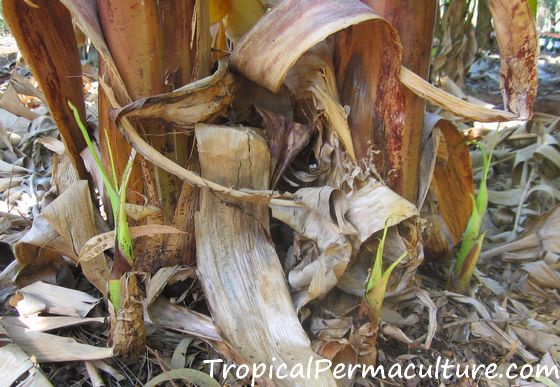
(378, 279)
(124, 255)
(471, 244)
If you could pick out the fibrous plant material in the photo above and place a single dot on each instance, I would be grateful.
(337, 225)
(240, 271)
(312, 80)
(267, 53)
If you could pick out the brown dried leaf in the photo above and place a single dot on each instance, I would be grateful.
(10, 101)
(312, 79)
(63, 227)
(23, 86)
(46, 32)
(285, 139)
(52, 144)
(446, 170)
(517, 39)
(128, 332)
(258, 321)
(199, 101)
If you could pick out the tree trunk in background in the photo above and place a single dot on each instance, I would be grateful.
(150, 42)
(457, 46)
(484, 27)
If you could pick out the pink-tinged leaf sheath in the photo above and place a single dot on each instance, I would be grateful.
(45, 37)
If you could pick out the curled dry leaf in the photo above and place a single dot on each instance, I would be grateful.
(314, 222)
(62, 229)
(52, 144)
(23, 86)
(517, 39)
(375, 205)
(357, 216)
(313, 78)
(199, 101)
(285, 139)
(256, 318)
(10, 101)
(268, 51)
(14, 364)
(42, 297)
(51, 348)
(282, 36)
(99, 243)
(451, 103)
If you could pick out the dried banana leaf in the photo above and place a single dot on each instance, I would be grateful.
(314, 221)
(540, 237)
(43, 324)
(14, 363)
(63, 227)
(240, 272)
(51, 348)
(355, 217)
(517, 40)
(199, 101)
(313, 79)
(283, 36)
(42, 297)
